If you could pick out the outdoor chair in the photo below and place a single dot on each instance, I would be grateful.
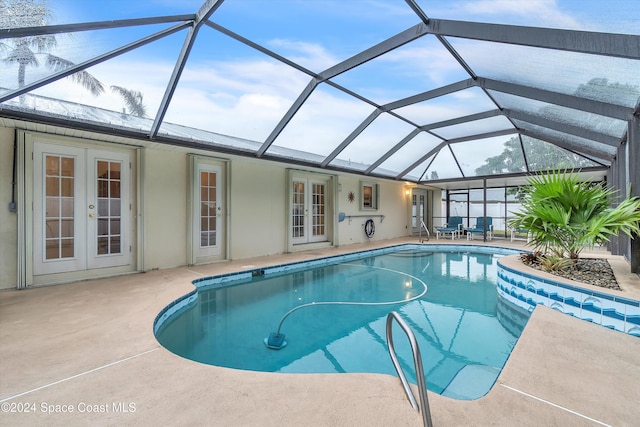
(479, 228)
(452, 227)
(516, 231)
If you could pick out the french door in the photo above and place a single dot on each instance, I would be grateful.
(309, 210)
(208, 214)
(81, 209)
(418, 210)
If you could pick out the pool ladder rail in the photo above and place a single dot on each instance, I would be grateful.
(423, 225)
(417, 361)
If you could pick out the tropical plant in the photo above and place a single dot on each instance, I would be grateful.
(29, 51)
(565, 215)
(132, 99)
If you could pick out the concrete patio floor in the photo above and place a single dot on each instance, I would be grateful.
(84, 354)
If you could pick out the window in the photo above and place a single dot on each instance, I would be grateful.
(369, 193)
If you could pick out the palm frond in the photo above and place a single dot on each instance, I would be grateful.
(132, 100)
(83, 77)
(22, 55)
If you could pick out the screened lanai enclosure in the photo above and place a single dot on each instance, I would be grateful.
(466, 98)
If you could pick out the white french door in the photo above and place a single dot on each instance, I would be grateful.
(418, 210)
(308, 210)
(209, 214)
(81, 209)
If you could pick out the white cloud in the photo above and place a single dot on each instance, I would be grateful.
(310, 55)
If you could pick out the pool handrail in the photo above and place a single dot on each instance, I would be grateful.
(417, 361)
(423, 225)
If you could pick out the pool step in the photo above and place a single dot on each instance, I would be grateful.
(472, 382)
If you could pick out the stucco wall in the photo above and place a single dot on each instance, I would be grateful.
(8, 220)
(165, 208)
(393, 204)
(257, 223)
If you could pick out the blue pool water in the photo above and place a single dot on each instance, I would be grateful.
(464, 330)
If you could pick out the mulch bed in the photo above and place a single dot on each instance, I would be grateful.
(593, 271)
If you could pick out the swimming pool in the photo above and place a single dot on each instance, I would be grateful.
(464, 330)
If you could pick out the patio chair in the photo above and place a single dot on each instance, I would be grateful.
(515, 231)
(452, 227)
(481, 223)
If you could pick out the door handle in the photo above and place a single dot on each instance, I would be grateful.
(92, 215)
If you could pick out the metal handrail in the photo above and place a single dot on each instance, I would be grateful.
(422, 224)
(349, 217)
(417, 361)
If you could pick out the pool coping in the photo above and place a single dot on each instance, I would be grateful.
(93, 342)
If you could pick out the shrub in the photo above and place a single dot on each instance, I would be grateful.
(565, 215)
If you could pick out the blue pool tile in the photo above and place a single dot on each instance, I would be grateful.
(628, 301)
(633, 319)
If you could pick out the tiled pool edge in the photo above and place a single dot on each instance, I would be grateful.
(611, 311)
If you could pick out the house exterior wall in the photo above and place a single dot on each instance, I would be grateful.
(164, 194)
(255, 216)
(257, 208)
(393, 204)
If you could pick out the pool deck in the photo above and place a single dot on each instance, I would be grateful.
(88, 347)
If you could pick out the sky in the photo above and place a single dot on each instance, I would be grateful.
(232, 89)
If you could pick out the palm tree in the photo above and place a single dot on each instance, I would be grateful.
(565, 215)
(132, 100)
(26, 51)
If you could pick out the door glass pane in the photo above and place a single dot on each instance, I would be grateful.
(52, 207)
(103, 245)
(66, 187)
(103, 187)
(53, 186)
(67, 227)
(318, 208)
(66, 248)
(103, 227)
(115, 189)
(53, 249)
(59, 207)
(115, 226)
(108, 185)
(414, 220)
(298, 209)
(114, 244)
(114, 171)
(103, 206)
(66, 207)
(53, 166)
(208, 205)
(53, 228)
(67, 167)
